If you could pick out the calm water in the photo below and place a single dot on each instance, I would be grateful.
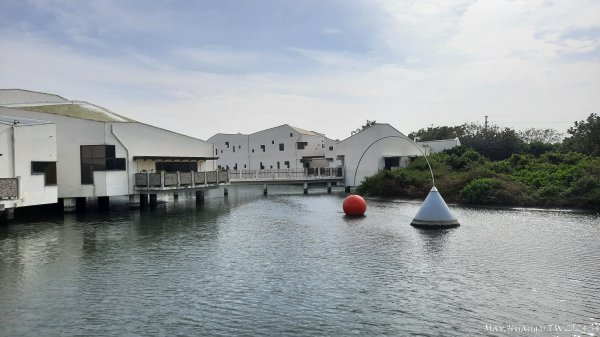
(293, 265)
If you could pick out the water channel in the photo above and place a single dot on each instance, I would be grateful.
(293, 265)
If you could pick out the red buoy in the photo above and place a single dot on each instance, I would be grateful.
(354, 205)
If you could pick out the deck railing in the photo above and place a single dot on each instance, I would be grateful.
(286, 174)
(9, 188)
(179, 179)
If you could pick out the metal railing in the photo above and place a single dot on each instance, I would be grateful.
(9, 188)
(180, 179)
(286, 174)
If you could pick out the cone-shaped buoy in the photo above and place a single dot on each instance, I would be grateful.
(434, 213)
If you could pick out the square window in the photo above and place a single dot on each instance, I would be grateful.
(281, 147)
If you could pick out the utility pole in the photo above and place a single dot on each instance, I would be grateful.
(486, 123)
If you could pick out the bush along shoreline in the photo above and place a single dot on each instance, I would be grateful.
(464, 176)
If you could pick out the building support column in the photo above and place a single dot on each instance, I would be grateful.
(225, 192)
(305, 188)
(143, 201)
(175, 196)
(103, 203)
(199, 197)
(80, 204)
(329, 187)
(7, 215)
(134, 201)
(153, 201)
(265, 189)
(347, 189)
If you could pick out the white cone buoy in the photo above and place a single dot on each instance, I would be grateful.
(434, 213)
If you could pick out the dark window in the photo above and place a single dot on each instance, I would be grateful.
(234, 149)
(331, 148)
(272, 142)
(174, 166)
(244, 165)
(252, 150)
(263, 147)
(291, 134)
(227, 144)
(271, 166)
(235, 166)
(239, 146)
(47, 168)
(391, 162)
(278, 166)
(286, 163)
(281, 147)
(262, 167)
(216, 152)
(221, 151)
(301, 145)
(99, 158)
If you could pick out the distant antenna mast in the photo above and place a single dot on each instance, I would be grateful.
(486, 123)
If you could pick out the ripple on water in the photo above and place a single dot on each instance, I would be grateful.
(290, 265)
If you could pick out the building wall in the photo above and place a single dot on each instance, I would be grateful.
(373, 144)
(246, 151)
(436, 146)
(20, 146)
(71, 133)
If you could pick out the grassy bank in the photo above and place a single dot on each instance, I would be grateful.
(551, 179)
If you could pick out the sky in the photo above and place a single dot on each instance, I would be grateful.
(204, 67)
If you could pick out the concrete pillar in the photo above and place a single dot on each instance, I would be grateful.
(265, 189)
(143, 201)
(153, 200)
(6, 215)
(80, 204)
(103, 203)
(347, 189)
(134, 200)
(199, 197)
(305, 188)
(225, 191)
(175, 196)
(329, 187)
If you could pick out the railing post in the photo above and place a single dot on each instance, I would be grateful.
(193, 179)
(162, 179)
(178, 179)
(205, 182)
(147, 179)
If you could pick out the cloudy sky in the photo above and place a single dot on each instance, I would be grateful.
(202, 67)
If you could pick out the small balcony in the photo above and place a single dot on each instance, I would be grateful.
(9, 188)
(165, 181)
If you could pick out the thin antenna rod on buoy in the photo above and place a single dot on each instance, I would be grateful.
(401, 137)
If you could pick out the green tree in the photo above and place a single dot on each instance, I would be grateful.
(585, 136)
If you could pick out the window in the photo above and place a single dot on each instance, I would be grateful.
(216, 152)
(301, 145)
(271, 167)
(263, 147)
(286, 163)
(239, 146)
(331, 148)
(291, 134)
(227, 144)
(252, 150)
(262, 167)
(98, 158)
(174, 166)
(234, 149)
(235, 166)
(272, 142)
(278, 166)
(244, 165)
(281, 147)
(47, 168)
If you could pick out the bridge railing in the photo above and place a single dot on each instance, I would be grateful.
(179, 179)
(286, 174)
(9, 188)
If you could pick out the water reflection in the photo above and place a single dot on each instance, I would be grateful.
(294, 265)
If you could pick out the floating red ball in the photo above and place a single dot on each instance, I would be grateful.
(354, 205)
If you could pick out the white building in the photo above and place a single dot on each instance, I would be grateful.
(99, 151)
(435, 146)
(27, 162)
(377, 147)
(281, 147)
